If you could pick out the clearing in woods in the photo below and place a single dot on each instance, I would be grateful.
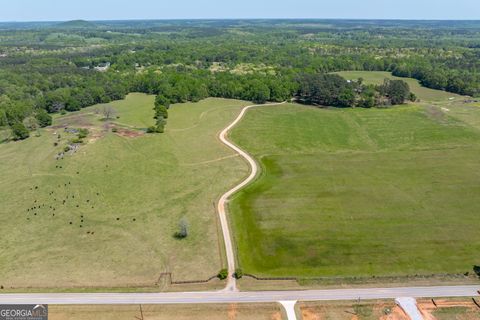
(422, 93)
(356, 192)
(105, 215)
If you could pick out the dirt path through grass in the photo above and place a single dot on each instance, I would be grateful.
(231, 284)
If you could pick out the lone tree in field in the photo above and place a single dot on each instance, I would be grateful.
(182, 232)
(109, 112)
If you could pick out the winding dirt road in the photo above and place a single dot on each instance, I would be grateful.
(231, 283)
(230, 294)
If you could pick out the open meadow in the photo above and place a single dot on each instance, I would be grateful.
(105, 213)
(359, 192)
(422, 93)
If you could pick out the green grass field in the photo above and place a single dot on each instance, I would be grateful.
(423, 93)
(130, 193)
(355, 192)
(457, 313)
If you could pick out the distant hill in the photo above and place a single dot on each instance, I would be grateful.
(75, 24)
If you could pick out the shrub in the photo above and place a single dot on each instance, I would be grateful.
(152, 129)
(161, 122)
(182, 232)
(412, 97)
(43, 118)
(223, 274)
(19, 131)
(476, 269)
(66, 149)
(160, 128)
(162, 100)
(82, 133)
(156, 129)
(238, 273)
(114, 129)
(161, 111)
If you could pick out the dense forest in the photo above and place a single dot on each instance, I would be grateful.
(61, 67)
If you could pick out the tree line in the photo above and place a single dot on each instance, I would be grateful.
(253, 61)
(334, 90)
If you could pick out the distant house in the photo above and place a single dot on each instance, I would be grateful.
(102, 67)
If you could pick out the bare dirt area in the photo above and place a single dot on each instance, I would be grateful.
(436, 113)
(379, 310)
(129, 133)
(164, 312)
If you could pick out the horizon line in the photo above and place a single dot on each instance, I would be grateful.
(244, 18)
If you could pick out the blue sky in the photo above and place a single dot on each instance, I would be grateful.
(48, 10)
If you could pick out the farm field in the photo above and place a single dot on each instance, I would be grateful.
(355, 192)
(423, 93)
(105, 215)
(265, 311)
(348, 310)
(445, 309)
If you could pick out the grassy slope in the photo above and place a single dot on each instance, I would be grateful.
(377, 77)
(155, 179)
(358, 192)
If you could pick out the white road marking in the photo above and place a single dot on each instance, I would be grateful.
(289, 307)
(409, 305)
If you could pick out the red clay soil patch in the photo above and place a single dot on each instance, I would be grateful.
(232, 311)
(94, 136)
(309, 314)
(129, 133)
(276, 316)
(396, 314)
(352, 312)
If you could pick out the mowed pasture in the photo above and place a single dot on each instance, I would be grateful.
(106, 215)
(422, 93)
(356, 192)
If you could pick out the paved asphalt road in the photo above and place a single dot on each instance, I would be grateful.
(238, 297)
(231, 284)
